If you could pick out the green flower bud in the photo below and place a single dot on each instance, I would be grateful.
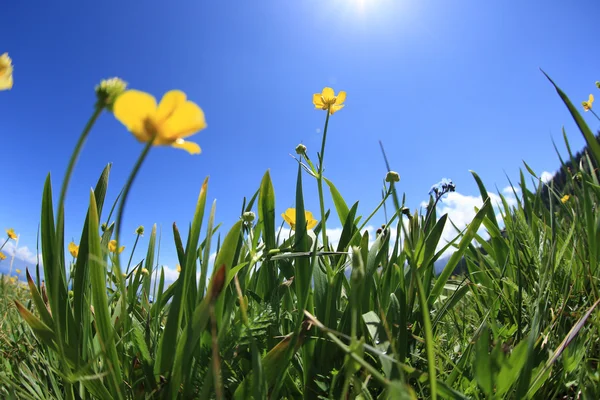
(392, 176)
(108, 90)
(301, 149)
(248, 216)
(140, 230)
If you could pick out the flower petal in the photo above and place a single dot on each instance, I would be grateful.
(168, 104)
(328, 94)
(591, 99)
(318, 100)
(340, 98)
(186, 120)
(335, 107)
(190, 147)
(6, 82)
(132, 108)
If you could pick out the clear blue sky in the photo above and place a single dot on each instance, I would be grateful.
(448, 87)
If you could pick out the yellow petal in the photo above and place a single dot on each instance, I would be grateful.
(190, 147)
(318, 100)
(340, 98)
(186, 120)
(328, 94)
(335, 107)
(591, 99)
(170, 101)
(132, 108)
(290, 217)
(6, 83)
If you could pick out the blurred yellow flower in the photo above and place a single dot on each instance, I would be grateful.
(565, 198)
(178, 268)
(112, 247)
(11, 234)
(2, 256)
(172, 120)
(18, 271)
(587, 105)
(327, 100)
(145, 271)
(6, 70)
(13, 279)
(290, 217)
(73, 249)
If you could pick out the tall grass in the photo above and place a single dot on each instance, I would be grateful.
(304, 318)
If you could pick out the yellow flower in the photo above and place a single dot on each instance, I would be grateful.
(145, 271)
(587, 105)
(73, 249)
(11, 234)
(290, 217)
(6, 70)
(13, 279)
(565, 198)
(112, 247)
(18, 271)
(178, 268)
(2, 256)
(327, 100)
(172, 120)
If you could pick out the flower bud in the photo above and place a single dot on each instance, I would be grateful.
(392, 176)
(140, 230)
(301, 149)
(108, 90)
(248, 216)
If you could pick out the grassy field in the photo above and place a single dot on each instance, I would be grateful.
(296, 317)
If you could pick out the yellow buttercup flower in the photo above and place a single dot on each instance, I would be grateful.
(565, 198)
(18, 271)
(13, 279)
(73, 249)
(11, 234)
(290, 217)
(6, 70)
(2, 256)
(172, 120)
(327, 100)
(145, 271)
(112, 247)
(587, 105)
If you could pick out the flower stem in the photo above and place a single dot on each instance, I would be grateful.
(320, 187)
(73, 160)
(3, 244)
(127, 187)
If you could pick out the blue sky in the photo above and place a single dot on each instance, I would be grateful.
(447, 86)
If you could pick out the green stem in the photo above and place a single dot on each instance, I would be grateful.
(125, 192)
(131, 255)
(73, 160)
(3, 244)
(127, 187)
(320, 187)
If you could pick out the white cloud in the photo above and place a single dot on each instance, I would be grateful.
(461, 210)
(547, 176)
(509, 190)
(21, 253)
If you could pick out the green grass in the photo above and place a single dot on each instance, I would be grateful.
(293, 318)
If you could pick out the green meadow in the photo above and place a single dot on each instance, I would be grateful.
(513, 314)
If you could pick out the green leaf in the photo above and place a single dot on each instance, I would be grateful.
(106, 333)
(585, 130)
(340, 204)
(457, 255)
(483, 362)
